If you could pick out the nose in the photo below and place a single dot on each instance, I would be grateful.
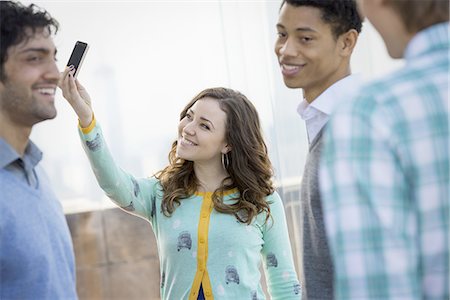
(52, 72)
(287, 48)
(189, 129)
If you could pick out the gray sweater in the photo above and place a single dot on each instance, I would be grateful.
(317, 265)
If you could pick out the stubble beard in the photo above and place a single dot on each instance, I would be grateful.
(22, 107)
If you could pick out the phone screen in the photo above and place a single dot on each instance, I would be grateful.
(77, 56)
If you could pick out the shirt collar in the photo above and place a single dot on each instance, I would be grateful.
(326, 102)
(8, 154)
(432, 38)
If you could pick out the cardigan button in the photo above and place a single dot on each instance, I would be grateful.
(208, 293)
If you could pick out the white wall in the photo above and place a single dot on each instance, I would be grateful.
(147, 59)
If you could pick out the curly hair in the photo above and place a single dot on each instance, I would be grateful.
(18, 23)
(250, 170)
(342, 15)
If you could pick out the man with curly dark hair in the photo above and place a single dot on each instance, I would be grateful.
(36, 252)
(315, 41)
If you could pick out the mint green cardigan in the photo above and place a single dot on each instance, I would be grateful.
(198, 245)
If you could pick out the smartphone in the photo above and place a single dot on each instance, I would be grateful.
(77, 56)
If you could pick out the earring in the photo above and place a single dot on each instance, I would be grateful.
(225, 161)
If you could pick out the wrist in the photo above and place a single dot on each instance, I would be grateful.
(86, 122)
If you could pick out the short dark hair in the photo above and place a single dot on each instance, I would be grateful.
(418, 15)
(15, 21)
(342, 15)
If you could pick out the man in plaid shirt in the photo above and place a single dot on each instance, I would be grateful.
(385, 166)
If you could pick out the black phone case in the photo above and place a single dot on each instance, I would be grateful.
(77, 56)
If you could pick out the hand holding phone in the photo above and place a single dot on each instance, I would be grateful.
(77, 56)
(78, 98)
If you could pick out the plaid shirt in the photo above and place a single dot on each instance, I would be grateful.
(385, 180)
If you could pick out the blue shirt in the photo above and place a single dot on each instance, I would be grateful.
(36, 252)
(385, 180)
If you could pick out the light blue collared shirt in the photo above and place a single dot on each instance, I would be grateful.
(22, 167)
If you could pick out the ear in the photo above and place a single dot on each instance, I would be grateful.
(226, 149)
(347, 42)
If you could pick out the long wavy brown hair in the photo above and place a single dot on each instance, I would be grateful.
(249, 168)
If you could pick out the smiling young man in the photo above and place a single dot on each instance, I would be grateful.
(315, 42)
(36, 252)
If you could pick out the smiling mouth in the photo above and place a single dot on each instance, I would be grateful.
(47, 91)
(290, 70)
(187, 142)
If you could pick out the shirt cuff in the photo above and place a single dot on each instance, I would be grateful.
(91, 126)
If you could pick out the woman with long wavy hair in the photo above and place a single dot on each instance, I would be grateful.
(213, 209)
